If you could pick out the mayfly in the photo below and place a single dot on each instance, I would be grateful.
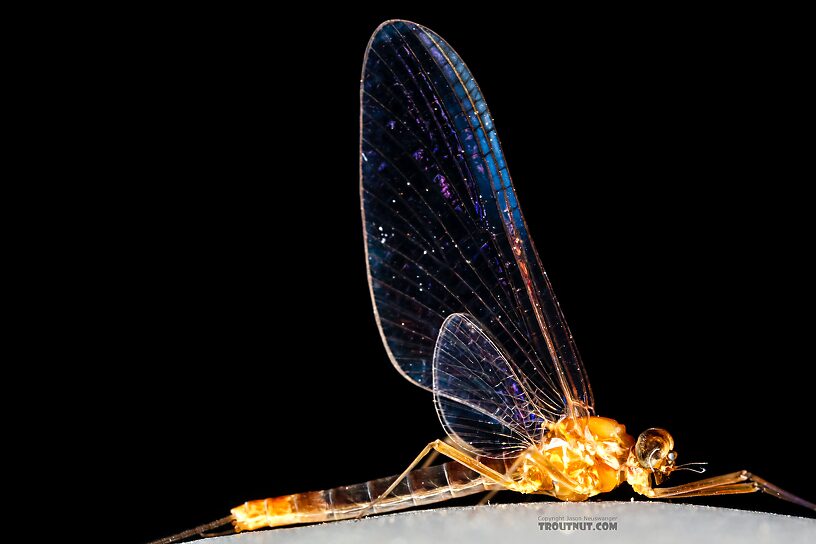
(466, 311)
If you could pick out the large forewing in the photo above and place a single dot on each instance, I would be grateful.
(443, 230)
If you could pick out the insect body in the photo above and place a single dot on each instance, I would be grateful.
(466, 311)
(575, 460)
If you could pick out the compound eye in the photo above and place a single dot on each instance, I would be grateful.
(652, 447)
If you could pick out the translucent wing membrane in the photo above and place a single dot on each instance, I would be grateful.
(480, 395)
(443, 230)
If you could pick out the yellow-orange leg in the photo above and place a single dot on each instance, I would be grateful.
(728, 484)
(434, 454)
(453, 453)
(490, 494)
(475, 465)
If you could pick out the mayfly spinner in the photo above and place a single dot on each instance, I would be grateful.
(467, 312)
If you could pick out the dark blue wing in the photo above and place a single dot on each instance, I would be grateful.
(443, 230)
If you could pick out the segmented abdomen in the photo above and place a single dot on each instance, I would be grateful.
(421, 486)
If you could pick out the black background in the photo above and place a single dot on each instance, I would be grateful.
(661, 166)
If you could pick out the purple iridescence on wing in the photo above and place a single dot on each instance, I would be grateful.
(444, 233)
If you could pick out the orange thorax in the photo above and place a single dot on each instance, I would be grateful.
(590, 451)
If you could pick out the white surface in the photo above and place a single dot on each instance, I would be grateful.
(654, 523)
